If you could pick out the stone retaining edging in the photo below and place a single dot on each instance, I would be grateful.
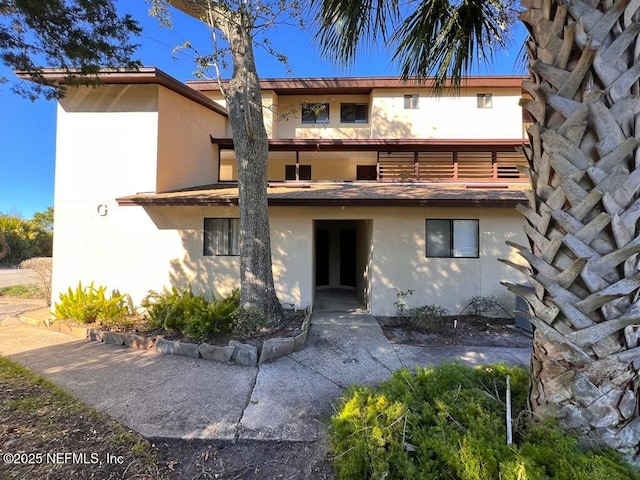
(238, 353)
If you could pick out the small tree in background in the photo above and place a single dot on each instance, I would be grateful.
(42, 269)
(22, 239)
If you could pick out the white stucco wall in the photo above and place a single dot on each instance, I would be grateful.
(136, 250)
(112, 142)
(446, 116)
(106, 147)
(186, 156)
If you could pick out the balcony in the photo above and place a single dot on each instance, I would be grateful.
(417, 161)
(456, 167)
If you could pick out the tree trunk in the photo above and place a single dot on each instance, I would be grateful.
(244, 102)
(582, 220)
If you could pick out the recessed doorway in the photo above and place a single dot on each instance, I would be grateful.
(342, 253)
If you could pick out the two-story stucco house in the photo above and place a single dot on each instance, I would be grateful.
(375, 186)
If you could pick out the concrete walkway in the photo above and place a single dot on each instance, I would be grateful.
(178, 397)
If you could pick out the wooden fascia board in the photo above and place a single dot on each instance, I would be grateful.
(142, 76)
(383, 145)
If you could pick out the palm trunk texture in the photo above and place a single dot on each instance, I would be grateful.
(582, 219)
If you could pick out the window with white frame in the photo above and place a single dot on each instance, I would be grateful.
(221, 236)
(448, 238)
(411, 101)
(316, 113)
(485, 100)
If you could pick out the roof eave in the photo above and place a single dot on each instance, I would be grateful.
(141, 76)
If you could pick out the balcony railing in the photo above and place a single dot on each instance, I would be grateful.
(455, 167)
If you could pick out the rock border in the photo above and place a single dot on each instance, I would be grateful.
(235, 353)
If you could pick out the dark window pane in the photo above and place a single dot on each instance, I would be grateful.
(438, 238)
(290, 172)
(347, 113)
(362, 113)
(305, 172)
(366, 172)
(354, 112)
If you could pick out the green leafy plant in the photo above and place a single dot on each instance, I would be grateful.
(92, 304)
(191, 314)
(449, 422)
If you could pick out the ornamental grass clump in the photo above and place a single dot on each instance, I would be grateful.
(448, 422)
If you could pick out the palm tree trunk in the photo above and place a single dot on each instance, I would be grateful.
(582, 219)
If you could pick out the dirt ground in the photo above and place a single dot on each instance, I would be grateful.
(469, 330)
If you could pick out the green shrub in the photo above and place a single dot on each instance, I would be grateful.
(248, 321)
(191, 314)
(91, 304)
(428, 318)
(447, 422)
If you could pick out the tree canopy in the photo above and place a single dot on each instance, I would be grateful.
(77, 36)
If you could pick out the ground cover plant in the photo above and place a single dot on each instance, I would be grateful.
(29, 291)
(448, 422)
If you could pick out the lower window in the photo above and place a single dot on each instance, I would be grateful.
(221, 236)
(452, 238)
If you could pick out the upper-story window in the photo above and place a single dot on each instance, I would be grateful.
(316, 113)
(412, 101)
(354, 112)
(484, 100)
(297, 172)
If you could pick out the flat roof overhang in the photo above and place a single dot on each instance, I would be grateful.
(142, 76)
(362, 85)
(384, 145)
(331, 194)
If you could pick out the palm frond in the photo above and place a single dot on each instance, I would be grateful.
(342, 26)
(444, 39)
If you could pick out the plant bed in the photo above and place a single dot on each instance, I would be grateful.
(469, 330)
(267, 344)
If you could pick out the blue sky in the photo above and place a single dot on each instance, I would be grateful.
(27, 129)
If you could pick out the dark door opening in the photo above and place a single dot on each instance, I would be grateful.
(322, 257)
(348, 257)
(342, 250)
